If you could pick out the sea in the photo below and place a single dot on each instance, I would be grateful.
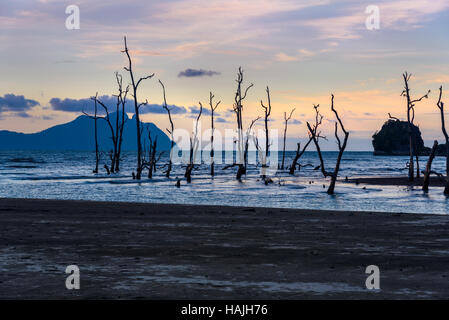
(68, 175)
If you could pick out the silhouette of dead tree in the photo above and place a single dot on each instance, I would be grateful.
(428, 171)
(120, 118)
(267, 112)
(114, 134)
(392, 118)
(137, 106)
(170, 131)
(213, 107)
(286, 120)
(313, 130)
(410, 119)
(440, 105)
(298, 155)
(97, 154)
(116, 130)
(240, 96)
(153, 159)
(194, 145)
(246, 145)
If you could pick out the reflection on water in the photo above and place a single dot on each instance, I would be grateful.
(68, 175)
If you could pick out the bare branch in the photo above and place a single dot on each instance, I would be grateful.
(393, 118)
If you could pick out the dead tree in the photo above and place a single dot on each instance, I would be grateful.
(286, 120)
(170, 131)
(114, 133)
(137, 105)
(298, 155)
(313, 130)
(265, 179)
(440, 105)
(120, 118)
(392, 118)
(194, 144)
(248, 135)
(428, 171)
(97, 154)
(213, 107)
(410, 119)
(240, 95)
(152, 156)
(153, 159)
(267, 111)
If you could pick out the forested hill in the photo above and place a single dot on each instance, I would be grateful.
(79, 135)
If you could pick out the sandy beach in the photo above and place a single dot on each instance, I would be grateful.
(158, 251)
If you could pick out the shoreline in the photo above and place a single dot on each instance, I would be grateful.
(164, 251)
(396, 181)
(204, 206)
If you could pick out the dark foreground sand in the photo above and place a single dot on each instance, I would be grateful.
(190, 252)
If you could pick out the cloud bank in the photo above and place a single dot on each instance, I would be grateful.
(191, 73)
(11, 102)
(86, 104)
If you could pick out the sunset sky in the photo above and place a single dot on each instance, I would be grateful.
(304, 50)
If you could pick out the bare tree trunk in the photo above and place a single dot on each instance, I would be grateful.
(298, 156)
(238, 108)
(97, 155)
(114, 136)
(152, 157)
(295, 159)
(286, 120)
(106, 118)
(440, 105)
(212, 154)
(120, 118)
(137, 106)
(411, 172)
(426, 182)
(410, 119)
(267, 115)
(315, 135)
(194, 144)
(170, 131)
(267, 111)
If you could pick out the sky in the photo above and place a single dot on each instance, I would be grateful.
(304, 50)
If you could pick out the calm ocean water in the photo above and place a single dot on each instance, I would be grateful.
(68, 175)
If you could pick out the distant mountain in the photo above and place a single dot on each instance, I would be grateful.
(79, 135)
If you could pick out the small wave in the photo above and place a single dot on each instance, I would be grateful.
(131, 181)
(293, 186)
(25, 160)
(371, 189)
(22, 167)
(43, 178)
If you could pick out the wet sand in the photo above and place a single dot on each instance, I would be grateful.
(153, 251)
(398, 181)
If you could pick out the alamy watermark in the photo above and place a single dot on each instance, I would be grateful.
(73, 21)
(73, 280)
(372, 22)
(373, 280)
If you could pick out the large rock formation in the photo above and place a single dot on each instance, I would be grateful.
(393, 139)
